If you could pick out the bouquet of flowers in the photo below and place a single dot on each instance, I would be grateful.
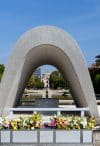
(37, 121)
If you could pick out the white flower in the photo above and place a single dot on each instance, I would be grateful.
(24, 124)
(75, 122)
(1, 120)
(69, 119)
(31, 122)
(32, 128)
(84, 122)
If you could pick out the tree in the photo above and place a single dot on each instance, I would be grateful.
(97, 83)
(95, 74)
(1, 71)
(56, 80)
(97, 60)
(35, 82)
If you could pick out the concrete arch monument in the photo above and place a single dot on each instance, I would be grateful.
(46, 45)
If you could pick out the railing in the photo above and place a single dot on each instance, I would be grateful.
(58, 110)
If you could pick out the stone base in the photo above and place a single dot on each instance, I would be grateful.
(52, 137)
(96, 137)
(47, 145)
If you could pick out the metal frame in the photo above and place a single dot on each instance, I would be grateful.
(58, 110)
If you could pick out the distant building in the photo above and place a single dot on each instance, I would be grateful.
(45, 79)
(37, 72)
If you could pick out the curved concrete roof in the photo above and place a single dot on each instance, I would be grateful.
(47, 45)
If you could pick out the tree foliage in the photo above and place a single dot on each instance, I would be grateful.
(35, 82)
(56, 80)
(95, 74)
(1, 71)
(97, 60)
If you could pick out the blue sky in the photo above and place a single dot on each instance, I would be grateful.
(80, 18)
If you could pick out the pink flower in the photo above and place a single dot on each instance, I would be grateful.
(42, 126)
(52, 123)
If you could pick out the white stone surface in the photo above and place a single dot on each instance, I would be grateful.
(5, 136)
(47, 145)
(24, 137)
(87, 136)
(46, 136)
(67, 136)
